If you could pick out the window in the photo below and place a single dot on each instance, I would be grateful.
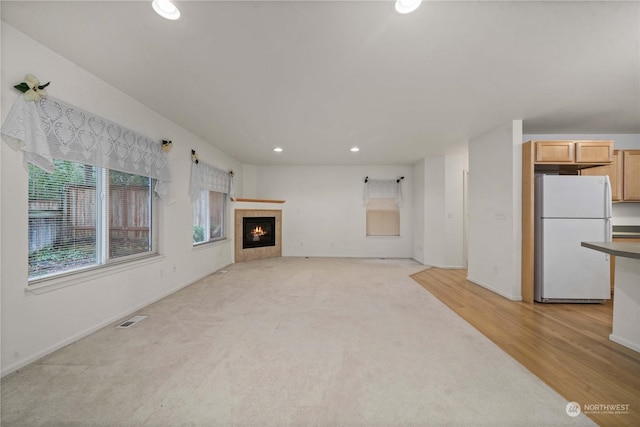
(383, 217)
(84, 216)
(382, 198)
(209, 217)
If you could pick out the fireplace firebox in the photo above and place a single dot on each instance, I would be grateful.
(258, 232)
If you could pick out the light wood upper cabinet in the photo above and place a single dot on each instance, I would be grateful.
(614, 171)
(573, 152)
(624, 175)
(617, 177)
(554, 152)
(594, 151)
(631, 190)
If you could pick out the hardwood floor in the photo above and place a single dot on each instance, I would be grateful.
(566, 345)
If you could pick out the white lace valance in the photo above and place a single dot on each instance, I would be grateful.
(49, 129)
(208, 177)
(383, 189)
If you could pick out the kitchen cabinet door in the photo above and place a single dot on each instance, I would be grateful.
(613, 171)
(554, 152)
(631, 190)
(594, 151)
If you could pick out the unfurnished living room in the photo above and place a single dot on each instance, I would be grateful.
(320, 213)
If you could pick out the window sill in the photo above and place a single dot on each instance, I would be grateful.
(205, 245)
(41, 286)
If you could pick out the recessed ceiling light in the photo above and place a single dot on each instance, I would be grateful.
(354, 149)
(166, 9)
(278, 150)
(407, 6)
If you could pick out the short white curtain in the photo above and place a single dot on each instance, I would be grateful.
(49, 129)
(383, 189)
(208, 177)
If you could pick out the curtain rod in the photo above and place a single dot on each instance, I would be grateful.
(400, 178)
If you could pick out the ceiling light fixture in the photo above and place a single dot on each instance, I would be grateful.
(354, 149)
(278, 150)
(166, 9)
(407, 6)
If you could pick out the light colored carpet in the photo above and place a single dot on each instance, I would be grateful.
(287, 341)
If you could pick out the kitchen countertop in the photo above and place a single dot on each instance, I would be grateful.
(621, 249)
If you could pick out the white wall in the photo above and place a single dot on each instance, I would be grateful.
(324, 215)
(249, 182)
(2, 115)
(625, 214)
(495, 174)
(622, 213)
(418, 211)
(435, 235)
(438, 210)
(455, 166)
(36, 324)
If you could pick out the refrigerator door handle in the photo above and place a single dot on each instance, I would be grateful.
(607, 197)
(607, 234)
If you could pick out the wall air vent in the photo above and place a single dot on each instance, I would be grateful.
(129, 323)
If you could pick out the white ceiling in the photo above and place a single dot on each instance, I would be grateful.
(319, 77)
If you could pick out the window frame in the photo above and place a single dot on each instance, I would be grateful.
(207, 216)
(103, 260)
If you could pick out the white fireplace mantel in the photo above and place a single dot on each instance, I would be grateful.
(240, 199)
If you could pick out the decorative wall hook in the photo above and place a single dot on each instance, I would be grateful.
(194, 157)
(31, 88)
(166, 145)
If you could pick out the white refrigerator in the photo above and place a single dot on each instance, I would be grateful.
(570, 209)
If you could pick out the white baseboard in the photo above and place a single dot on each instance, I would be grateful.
(632, 345)
(494, 290)
(447, 267)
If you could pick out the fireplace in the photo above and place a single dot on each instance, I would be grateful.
(258, 232)
(266, 233)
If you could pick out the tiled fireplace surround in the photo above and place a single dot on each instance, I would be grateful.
(257, 253)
